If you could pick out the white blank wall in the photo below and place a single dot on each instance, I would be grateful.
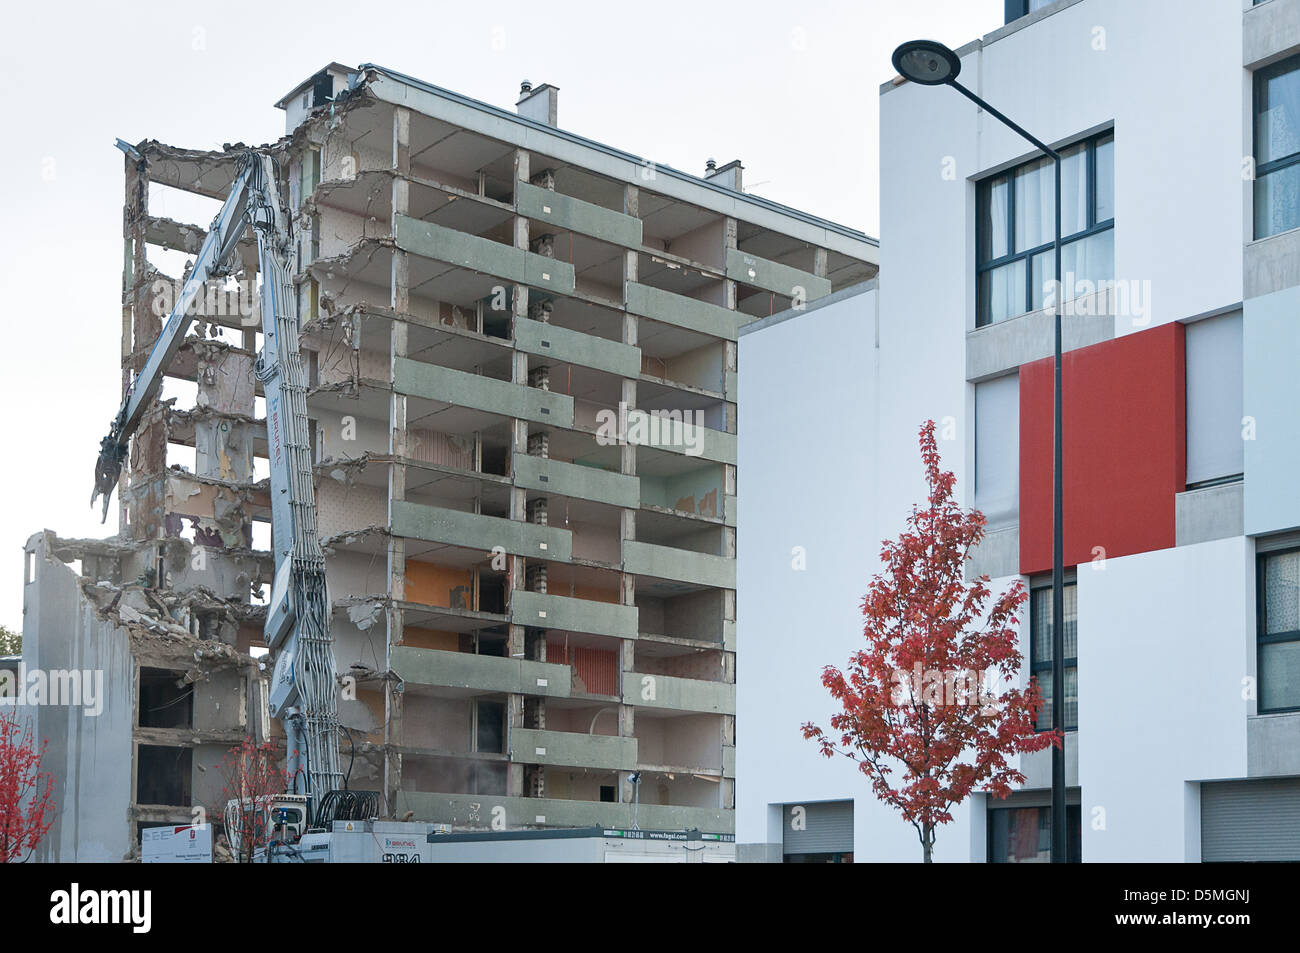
(1166, 639)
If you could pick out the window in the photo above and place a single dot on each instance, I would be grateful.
(1023, 835)
(1040, 652)
(166, 700)
(997, 449)
(163, 775)
(1016, 225)
(1277, 148)
(1214, 400)
(1015, 9)
(1278, 660)
(490, 730)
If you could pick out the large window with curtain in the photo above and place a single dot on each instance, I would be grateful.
(1016, 226)
(1277, 148)
(1040, 652)
(1278, 659)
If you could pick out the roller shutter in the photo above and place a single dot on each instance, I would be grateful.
(819, 827)
(1251, 820)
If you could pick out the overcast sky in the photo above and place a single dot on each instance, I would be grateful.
(790, 89)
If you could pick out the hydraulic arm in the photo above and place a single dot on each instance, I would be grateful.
(303, 693)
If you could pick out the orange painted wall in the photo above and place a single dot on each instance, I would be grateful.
(432, 585)
(587, 592)
(430, 639)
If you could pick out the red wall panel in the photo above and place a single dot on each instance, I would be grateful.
(597, 669)
(1124, 417)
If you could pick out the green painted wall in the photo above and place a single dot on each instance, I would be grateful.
(431, 381)
(486, 673)
(576, 480)
(564, 344)
(573, 615)
(682, 311)
(572, 749)
(774, 276)
(664, 562)
(682, 694)
(576, 215)
(664, 433)
(478, 811)
(483, 255)
(476, 531)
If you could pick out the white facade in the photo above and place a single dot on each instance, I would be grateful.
(832, 399)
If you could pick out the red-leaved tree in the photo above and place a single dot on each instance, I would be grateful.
(931, 698)
(253, 777)
(26, 792)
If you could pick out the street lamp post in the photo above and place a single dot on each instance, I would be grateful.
(933, 64)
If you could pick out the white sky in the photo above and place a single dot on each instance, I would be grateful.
(789, 89)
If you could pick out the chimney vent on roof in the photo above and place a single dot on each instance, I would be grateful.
(728, 175)
(538, 103)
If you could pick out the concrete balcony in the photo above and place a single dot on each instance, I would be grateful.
(575, 347)
(462, 389)
(476, 531)
(478, 811)
(480, 673)
(575, 480)
(682, 312)
(678, 565)
(679, 694)
(576, 215)
(645, 429)
(482, 255)
(572, 749)
(774, 276)
(547, 611)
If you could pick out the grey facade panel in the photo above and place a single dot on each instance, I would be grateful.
(1214, 401)
(1209, 512)
(1250, 820)
(819, 827)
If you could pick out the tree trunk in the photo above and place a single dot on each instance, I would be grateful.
(927, 843)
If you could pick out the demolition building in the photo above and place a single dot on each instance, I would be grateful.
(522, 360)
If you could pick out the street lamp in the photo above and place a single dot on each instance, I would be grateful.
(933, 64)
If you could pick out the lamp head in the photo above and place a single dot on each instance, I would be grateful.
(926, 62)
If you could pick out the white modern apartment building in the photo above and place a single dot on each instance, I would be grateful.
(1180, 123)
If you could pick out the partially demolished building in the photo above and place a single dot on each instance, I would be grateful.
(521, 347)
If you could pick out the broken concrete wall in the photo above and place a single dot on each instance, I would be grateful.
(337, 439)
(357, 573)
(347, 509)
(90, 755)
(113, 761)
(210, 513)
(224, 433)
